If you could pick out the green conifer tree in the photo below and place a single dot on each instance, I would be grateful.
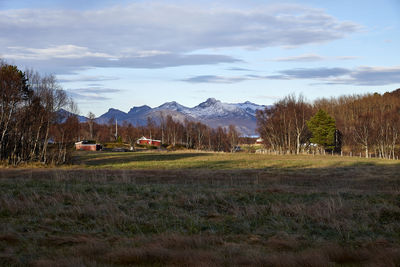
(322, 128)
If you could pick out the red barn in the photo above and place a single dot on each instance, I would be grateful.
(143, 141)
(146, 141)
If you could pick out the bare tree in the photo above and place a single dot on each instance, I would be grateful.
(91, 117)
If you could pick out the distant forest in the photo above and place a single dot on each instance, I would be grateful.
(32, 128)
(367, 125)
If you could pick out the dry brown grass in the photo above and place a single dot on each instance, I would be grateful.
(281, 216)
(157, 250)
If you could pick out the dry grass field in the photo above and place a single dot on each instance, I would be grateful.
(202, 209)
(215, 161)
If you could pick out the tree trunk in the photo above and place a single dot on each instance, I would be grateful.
(43, 155)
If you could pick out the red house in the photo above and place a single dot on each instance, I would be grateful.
(156, 142)
(146, 141)
(259, 141)
(87, 146)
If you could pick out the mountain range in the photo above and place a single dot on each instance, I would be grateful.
(212, 112)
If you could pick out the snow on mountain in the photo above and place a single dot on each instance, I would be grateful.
(250, 107)
(213, 108)
(172, 106)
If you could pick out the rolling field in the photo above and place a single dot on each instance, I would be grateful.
(202, 209)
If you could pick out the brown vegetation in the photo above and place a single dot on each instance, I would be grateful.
(274, 217)
(366, 124)
(30, 130)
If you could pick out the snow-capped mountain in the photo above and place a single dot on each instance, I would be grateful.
(211, 112)
(174, 106)
(249, 107)
(215, 108)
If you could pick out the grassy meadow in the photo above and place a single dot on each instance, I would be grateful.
(202, 209)
(215, 161)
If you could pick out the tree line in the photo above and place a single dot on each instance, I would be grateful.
(366, 124)
(187, 134)
(31, 129)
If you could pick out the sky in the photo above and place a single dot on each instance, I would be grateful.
(120, 54)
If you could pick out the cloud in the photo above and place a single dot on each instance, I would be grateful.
(86, 98)
(157, 34)
(301, 58)
(96, 90)
(71, 66)
(85, 78)
(313, 73)
(361, 76)
(346, 58)
(214, 79)
(61, 51)
(227, 80)
(311, 58)
(371, 76)
(91, 94)
(239, 69)
(95, 84)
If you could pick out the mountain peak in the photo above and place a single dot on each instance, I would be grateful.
(113, 110)
(209, 102)
(139, 109)
(168, 104)
(212, 100)
(173, 105)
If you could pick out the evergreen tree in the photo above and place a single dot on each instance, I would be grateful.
(323, 128)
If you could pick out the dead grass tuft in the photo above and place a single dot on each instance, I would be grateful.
(176, 241)
(9, 259)
(66, 240)
(10, 239)
(61, 262)
(343, 255)
(278, 243)
(157, 255)
(92, 250)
